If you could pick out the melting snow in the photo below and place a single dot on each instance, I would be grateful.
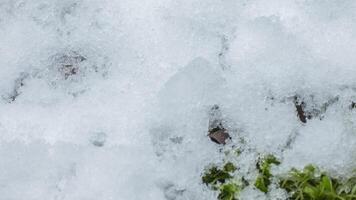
(111, 99)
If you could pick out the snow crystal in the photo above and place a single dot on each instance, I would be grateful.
(111, 99)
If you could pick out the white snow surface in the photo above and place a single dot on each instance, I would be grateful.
(109, 99)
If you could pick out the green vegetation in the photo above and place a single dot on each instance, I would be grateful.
(310, 184)
(264, 169)
(306, 184)
(222, 180)
(215, 175)
(228, 191)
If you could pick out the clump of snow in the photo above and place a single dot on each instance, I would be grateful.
(111, 100)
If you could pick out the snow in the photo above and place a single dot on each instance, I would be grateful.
(111, 99)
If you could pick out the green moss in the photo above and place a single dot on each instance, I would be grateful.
(264, 168)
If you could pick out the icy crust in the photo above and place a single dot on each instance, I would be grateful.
(111, 99)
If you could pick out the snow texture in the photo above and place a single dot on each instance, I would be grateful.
(103, 99)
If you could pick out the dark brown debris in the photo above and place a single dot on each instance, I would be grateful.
(300, 105)
(217, 133)
(300, 112)
(306, 112)
(69, 63)
(19, 83)
(353, 105)
(219, 136)
(69, 70)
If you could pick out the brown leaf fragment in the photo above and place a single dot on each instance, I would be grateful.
(219, 136)
(300, 110)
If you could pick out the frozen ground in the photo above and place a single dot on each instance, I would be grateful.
(109, 99)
